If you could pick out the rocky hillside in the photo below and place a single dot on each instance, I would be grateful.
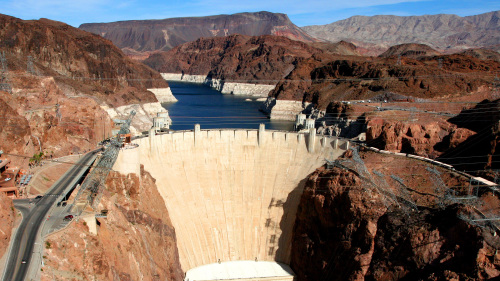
(135, 242)
(483, 147)
(472, 134)
(327, 72)
(441, 32)
(410, 50)
(163, 35)
(427, 136)
(83, 60)
(323, 79)
(483, 54)
(350, 229)
(338, 48)
(59, 78)
(7, 215)
(259, 59)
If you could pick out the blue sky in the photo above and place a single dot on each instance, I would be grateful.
(301, 12)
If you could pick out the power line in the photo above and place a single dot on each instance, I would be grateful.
(458, 75)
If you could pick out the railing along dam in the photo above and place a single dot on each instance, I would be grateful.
(232, 194)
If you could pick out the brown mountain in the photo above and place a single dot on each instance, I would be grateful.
(441, 32)
(351, 78)
(410, 50)
(348, 229)
(154, 35)
(483, 54)
(55, 105)
(339, 48)
(262, 59)
(320, 76)
(65, 52)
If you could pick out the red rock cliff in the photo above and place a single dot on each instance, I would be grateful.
(7, 216)
(135, 242)
(348, 229)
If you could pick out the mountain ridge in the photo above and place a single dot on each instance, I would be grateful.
(165, 34)
(444, 32)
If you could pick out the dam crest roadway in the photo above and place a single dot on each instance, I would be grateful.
(232, 194)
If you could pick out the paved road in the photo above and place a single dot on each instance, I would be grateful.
(34, 216)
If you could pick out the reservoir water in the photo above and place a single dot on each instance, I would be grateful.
(200, 104)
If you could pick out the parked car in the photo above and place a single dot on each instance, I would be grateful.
(68, 217)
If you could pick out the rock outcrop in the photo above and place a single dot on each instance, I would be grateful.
(15, 130)
(483, 54)
(284, 109)
(239, 65)
(135, 242)
(7, 215)
(320, 75)
(163, 95)
(323, 79)
(80, 59)
(71, 74)
(144, 114)
(163, 35)
(236, 58)
(483, 147)
(346, 229)
(411, 50)
(428, 138)
(441, 32)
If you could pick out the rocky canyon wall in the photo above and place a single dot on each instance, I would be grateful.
(7, 215)
(349, 228)
(73, 73)
(135, 242)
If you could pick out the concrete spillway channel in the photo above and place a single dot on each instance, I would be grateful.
(232, 195)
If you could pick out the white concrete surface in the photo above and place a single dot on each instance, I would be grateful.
(128, 162)
(91, 223)
(142, 121)
(241, 270)
(232, 194)
(184, 77)
(247, 89)
(163, 94)
(284, 109)
(244, 89)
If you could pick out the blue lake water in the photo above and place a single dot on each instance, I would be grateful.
(200, 104)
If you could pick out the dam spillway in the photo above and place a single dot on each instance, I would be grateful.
(232, 195)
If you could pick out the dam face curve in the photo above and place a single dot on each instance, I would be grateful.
(232, 195)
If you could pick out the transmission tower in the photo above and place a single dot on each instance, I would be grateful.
(404, 193)
(58, 112)
(93, 185)
(30, 67)
(440, 188)
(4, 79)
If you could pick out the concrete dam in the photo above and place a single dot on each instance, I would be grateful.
(232, 194)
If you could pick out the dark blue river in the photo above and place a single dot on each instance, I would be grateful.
(200, 104)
